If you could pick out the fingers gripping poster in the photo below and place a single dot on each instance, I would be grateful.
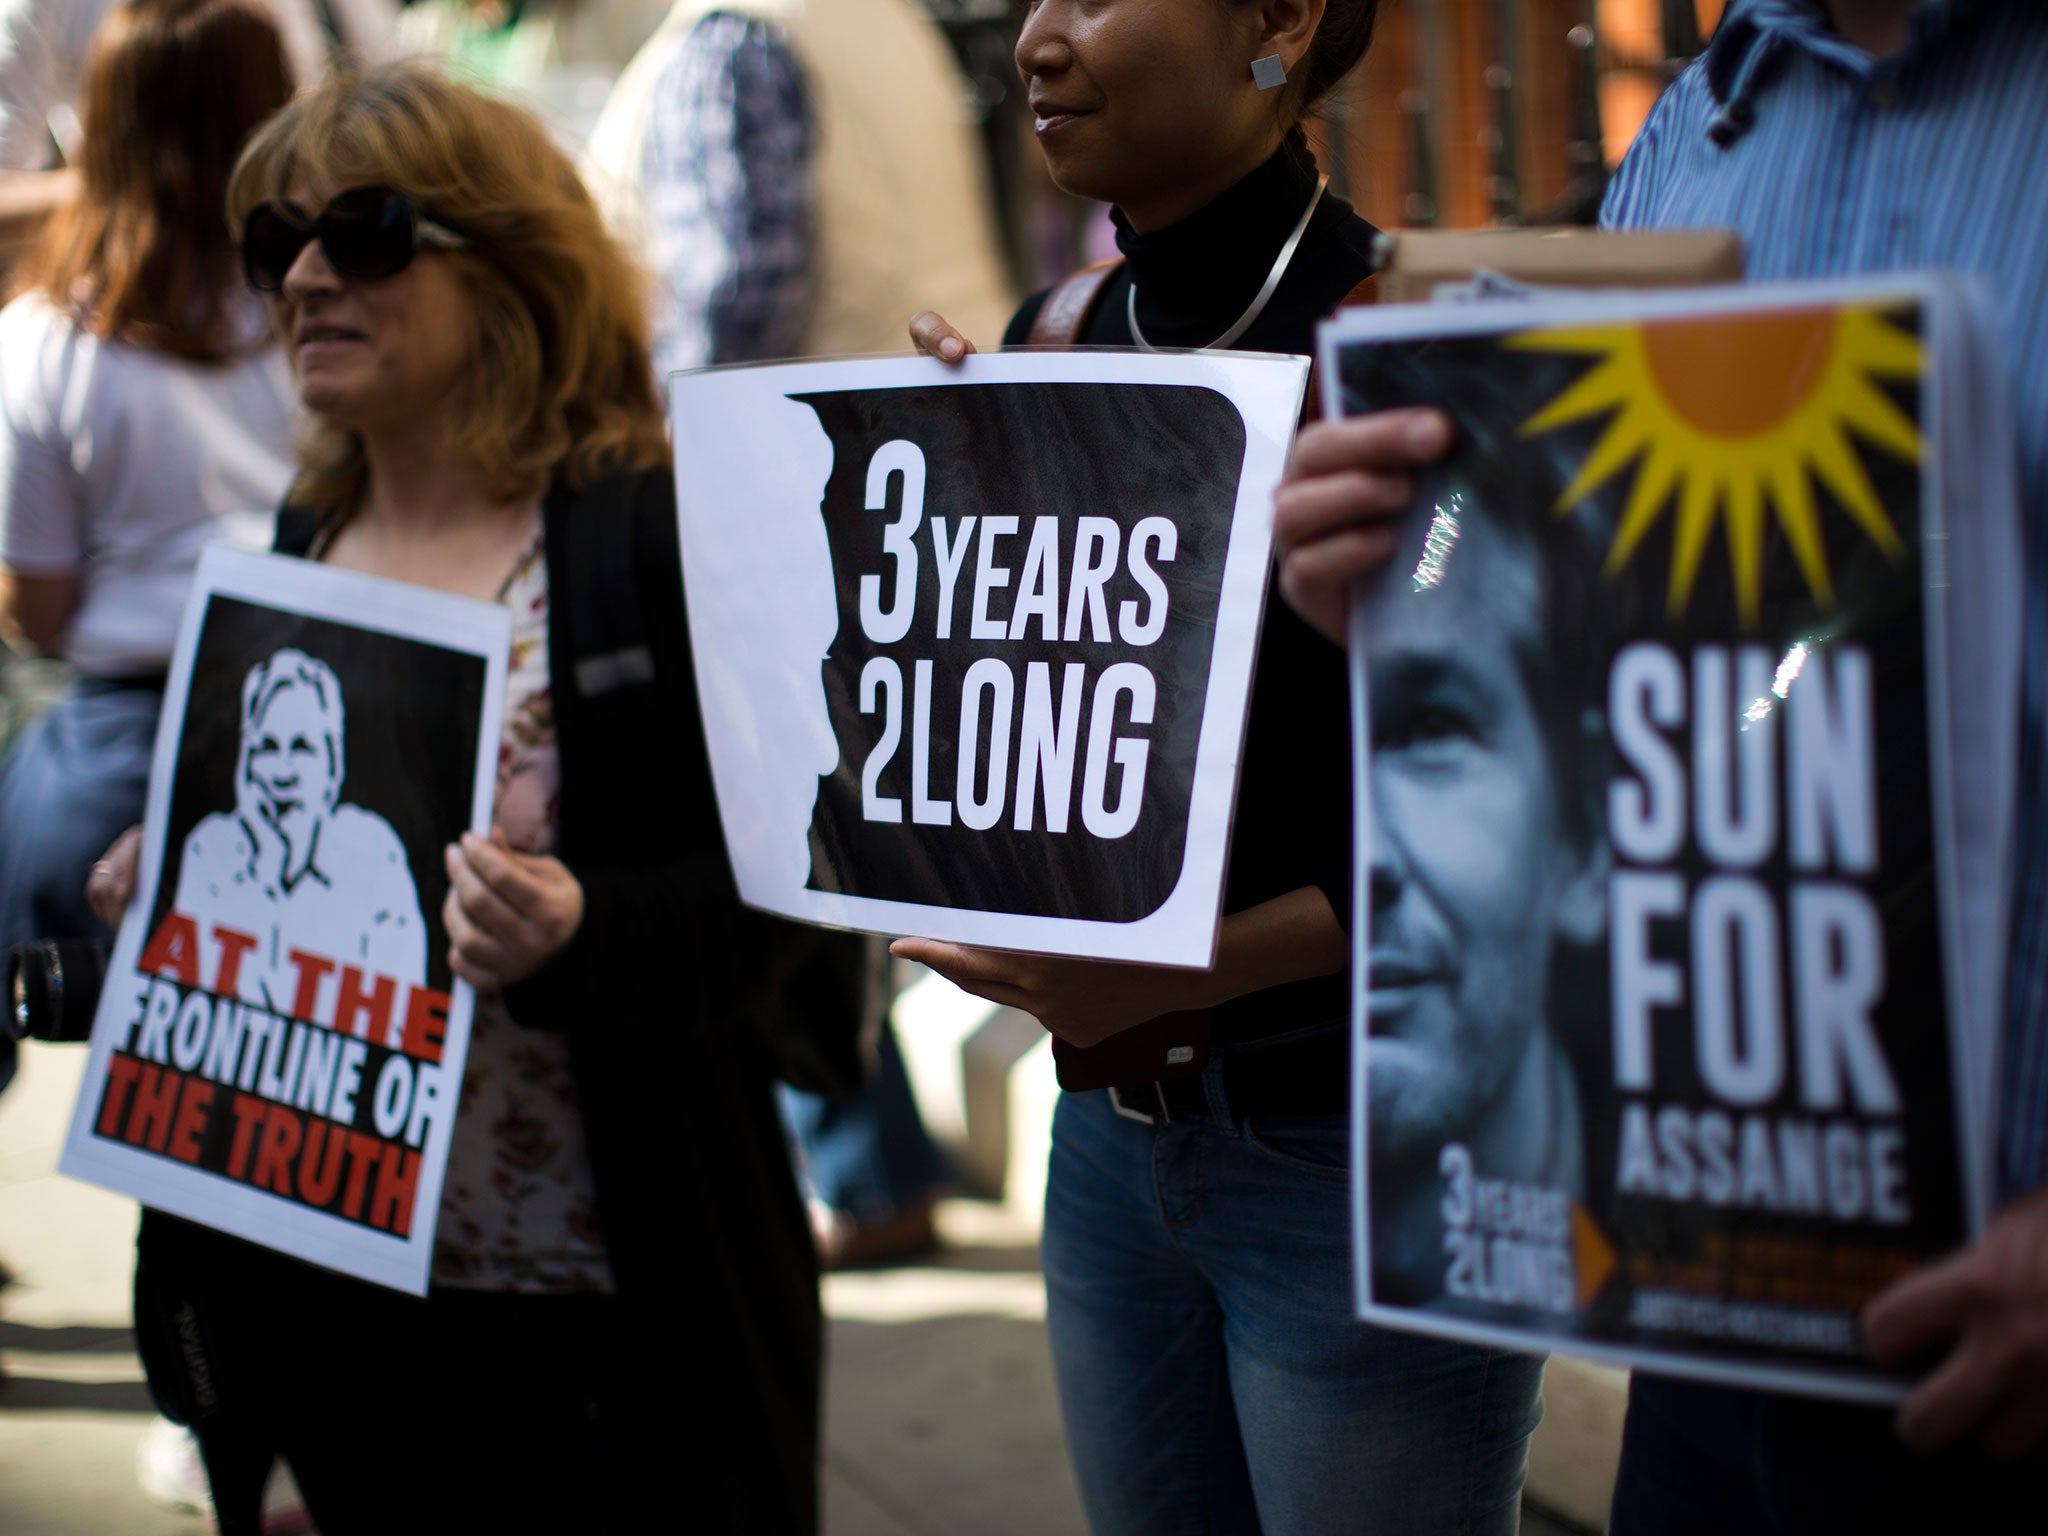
(1684, 743)
(975, 644)
(280, 1044)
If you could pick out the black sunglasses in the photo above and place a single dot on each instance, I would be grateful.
(365, 232)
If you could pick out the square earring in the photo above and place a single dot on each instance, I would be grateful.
(1269, 74)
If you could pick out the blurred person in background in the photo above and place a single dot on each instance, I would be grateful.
(43, 47)
(515, 44)
(144, 412)
(800, 175)
(622, 1331)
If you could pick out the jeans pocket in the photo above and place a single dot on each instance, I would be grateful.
(1314, 1144)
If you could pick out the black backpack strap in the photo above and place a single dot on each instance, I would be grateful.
(298, 529)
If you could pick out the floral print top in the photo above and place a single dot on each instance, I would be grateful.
(519, 1206)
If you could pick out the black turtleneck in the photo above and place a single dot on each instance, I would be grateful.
(1194, 278)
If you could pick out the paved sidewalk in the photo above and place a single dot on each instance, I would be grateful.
(940, 1416)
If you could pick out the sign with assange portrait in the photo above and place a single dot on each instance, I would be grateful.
(974, 644)
(279, 1049)
(1685, 724)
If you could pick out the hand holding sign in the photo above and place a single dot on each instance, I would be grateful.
(1988, 1306)
(1348, 483)
(111, 885)
(508, 913)
(1084, 1002)
(934, 337)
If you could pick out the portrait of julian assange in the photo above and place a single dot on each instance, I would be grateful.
(321, 769)
(1487, 867)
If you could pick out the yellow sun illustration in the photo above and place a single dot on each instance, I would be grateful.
(1724, 413)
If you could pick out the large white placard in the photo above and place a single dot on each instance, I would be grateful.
(279, 1048)
(975, 643)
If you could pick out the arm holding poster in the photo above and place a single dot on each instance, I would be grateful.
(1086, 1002)
(508, 913)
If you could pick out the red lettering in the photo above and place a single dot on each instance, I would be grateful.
(248, 1115)
(317, 1188)
(363, 1152)
(149, 1117)
(312, 971)
(195, 1106)
(174, 951)
(232, 946)
(274, 1153)
(391, 1209)
(426, 1023)
(372, 1005)
(121, 1072)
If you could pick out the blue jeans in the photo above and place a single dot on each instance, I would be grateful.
(864, 1153)
(1703, 1460)
(1211, 1375)
(76, 780)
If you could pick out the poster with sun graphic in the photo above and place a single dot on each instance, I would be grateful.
(1685, 749)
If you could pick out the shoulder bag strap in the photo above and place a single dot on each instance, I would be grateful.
(1367, 292)
(1064, 315)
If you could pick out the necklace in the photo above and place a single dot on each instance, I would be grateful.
(1258, 300)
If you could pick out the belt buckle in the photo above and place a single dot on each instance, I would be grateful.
(1164, 1117)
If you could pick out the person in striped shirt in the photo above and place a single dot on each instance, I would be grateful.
(1838, 137)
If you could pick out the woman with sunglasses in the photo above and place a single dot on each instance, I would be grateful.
(624, 1302)
(1197, 1233)
(144, 411)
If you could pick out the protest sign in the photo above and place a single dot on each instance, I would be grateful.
(974, 644)
(1685, 738)
(279, 1048)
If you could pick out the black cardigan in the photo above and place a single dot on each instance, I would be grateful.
(663, 994)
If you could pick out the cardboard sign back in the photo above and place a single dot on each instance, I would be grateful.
(1417, 261)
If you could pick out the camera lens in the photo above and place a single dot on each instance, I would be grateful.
(53, 988)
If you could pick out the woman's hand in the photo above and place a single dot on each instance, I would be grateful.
(1084, 1002)
(1348, 483)
(508, 913)
(932, 336)
(111, 885)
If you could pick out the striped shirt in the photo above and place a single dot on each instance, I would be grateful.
(1830, 163)
(730, 205)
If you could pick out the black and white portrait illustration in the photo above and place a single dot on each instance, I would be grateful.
(321, 770)
(295, 864)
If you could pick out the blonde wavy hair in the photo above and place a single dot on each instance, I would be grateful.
(564, 380)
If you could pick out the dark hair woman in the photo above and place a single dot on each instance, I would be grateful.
(1197, 1250)
(143, 413)
(624, 1306)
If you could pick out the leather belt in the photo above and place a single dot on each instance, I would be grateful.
(1302, 1077)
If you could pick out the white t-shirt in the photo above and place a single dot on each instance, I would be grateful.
(42, 58)
(119, 464)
